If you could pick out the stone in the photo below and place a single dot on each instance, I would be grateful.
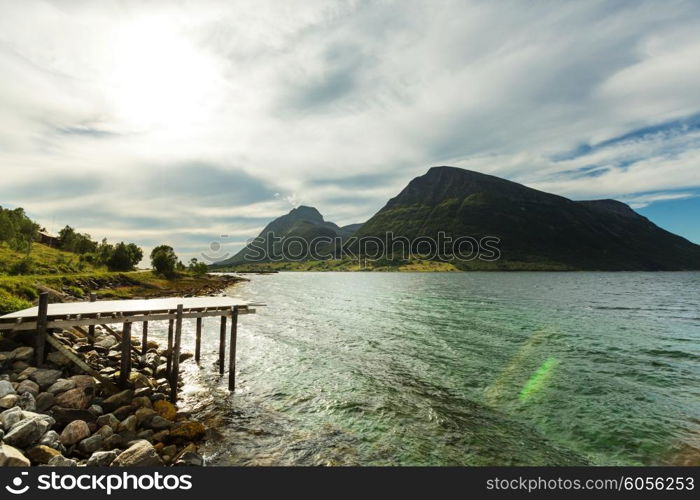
(105, 431)
(23, 353)
(74, 398)
(158, 396)
(12, 457)
(45, 377)
(141, 402)
(47, 420)
(185, 356)
(52, 440)
(139, 380)
(74, 432)
(96, 410)
(6, 388)
(139, 454)
(25, 432)
(91, 444)
(28, 386)
(8, 401)
(161, 436)
(114, 441)
(158, 423)
(169, 450)
(44, 401)
(19, 366)
(128, 424)
(64, 416)
(85, 382)
(61, 461)
(101, 459)
(24, 375)
(119, 399)
(123, 411)
(106, 342)
(162, 371)
(10, 417)
(143, 391)
(61, 385)
(108, 419)
(27, 402)
(144, 416)
(146, 434)
(189, 459)
(58, 359)
(128, 436)
(165, 409)
(41, 454)
(188, 430)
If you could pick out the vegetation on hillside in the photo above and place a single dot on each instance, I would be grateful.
(75, 265)
(17, 231)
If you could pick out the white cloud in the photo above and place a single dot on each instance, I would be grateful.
(292, 93)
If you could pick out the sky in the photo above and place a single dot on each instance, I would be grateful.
(194, 122)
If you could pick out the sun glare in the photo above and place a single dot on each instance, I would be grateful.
(159, 78)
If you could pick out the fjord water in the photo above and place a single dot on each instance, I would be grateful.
(464, 368)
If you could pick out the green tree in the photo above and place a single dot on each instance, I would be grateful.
(197, 268)
(164, 260)
(124, 257)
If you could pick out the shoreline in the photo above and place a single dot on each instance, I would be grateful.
(54, 414)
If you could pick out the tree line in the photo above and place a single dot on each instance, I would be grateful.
(18, 231)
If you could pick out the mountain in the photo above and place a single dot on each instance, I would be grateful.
(536, 229)
(302, 224)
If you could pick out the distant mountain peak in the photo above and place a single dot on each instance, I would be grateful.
(303, 222)
(309, 213)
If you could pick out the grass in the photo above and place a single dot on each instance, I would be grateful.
(41, 260)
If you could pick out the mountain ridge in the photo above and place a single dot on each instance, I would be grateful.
(533, 226)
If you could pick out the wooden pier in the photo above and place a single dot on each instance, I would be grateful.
(45, 318)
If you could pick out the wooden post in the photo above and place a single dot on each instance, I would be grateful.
(176, 356)
(125, 367)
(91, 328)
(169, 364)
(198, 341)
(222, 345)
(144, 341)
(232, 350)
(41, 331)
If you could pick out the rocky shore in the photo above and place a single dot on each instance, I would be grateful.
(56, 415)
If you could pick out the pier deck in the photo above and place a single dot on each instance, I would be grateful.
(45, 318)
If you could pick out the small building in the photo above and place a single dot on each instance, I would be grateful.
(48, 240)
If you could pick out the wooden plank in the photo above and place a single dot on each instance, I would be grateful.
(42, 331)
(169, 364)
(176, 356)
(106, 383)
(125, 368)
(91, 328)
(222, 345)
(144, 341)
(21, 324)
(198, 341)
(132, 306)
(232, 350)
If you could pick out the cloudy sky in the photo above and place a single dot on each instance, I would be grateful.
(179, 122)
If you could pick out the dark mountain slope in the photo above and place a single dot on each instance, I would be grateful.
(534, 226)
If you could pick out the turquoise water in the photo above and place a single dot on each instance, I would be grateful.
(467, 368)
